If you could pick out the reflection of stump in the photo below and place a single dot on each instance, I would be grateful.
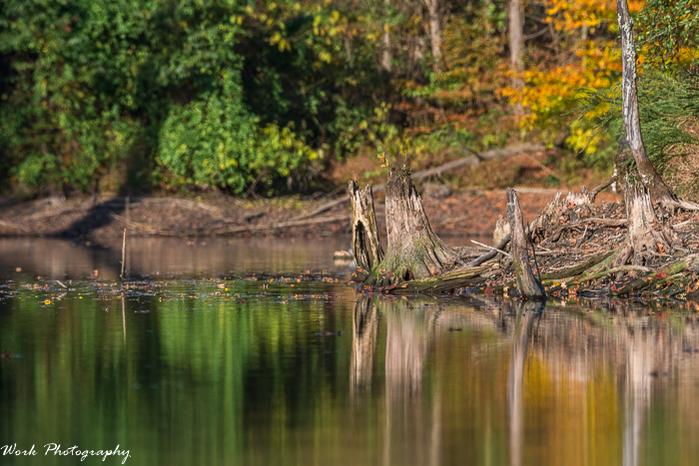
(408, 336)
(642, 351)
(365, 324)
(527, 314)
(409, 420)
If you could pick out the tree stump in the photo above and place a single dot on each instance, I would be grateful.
(366, 245)
(413, 249)
(527, 281)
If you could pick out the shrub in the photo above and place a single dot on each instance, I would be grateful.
(214, 142)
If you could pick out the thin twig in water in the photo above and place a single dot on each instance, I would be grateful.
(123, 255)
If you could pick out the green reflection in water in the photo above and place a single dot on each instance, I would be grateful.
(192, 373)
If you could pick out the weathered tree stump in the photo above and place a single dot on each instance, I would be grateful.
(413, 249)
(527, 281)
(366, 244)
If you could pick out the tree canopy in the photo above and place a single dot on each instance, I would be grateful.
(262, 97)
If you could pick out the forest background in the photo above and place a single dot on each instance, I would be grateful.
(277, 97)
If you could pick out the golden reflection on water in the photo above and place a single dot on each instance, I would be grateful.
(575, 387)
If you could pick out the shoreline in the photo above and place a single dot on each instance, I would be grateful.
(468, 212)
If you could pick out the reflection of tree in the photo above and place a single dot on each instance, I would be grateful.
(648, 349)
(259, 384)
(639, 364)
(630, 349)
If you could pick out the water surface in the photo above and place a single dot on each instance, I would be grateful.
(211, 367)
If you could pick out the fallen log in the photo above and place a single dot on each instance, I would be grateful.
(148, 230)
(14, 226)
(689, 263)
(494, 252)
(446, 282)
(577, 269)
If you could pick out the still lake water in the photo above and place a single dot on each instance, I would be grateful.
(204, 365)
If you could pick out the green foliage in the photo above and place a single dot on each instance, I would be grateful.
(67, 99)
(665, 103)
(217, 94)
(213, 141)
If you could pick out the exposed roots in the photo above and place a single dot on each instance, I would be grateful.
(646, 235)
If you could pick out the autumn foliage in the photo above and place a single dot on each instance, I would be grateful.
(266, 97)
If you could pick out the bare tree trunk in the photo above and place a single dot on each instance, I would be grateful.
(366, 245)
(435, 26)
(516, 39)
(646, 234)
(526, 277)
(658, 190)
(386, 56)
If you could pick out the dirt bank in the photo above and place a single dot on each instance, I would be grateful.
(467, 212)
